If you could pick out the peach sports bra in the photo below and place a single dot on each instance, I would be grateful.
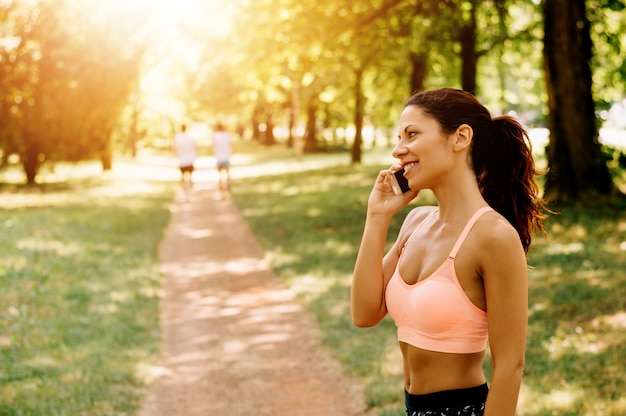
(435, 313)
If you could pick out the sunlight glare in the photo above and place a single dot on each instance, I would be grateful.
(562, 399)
(579, 341)
(214, 15)
(616, 322)
(179, 35)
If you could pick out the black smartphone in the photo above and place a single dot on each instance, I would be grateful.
(401, 185)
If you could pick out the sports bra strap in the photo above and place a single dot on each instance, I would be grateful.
(466, 230)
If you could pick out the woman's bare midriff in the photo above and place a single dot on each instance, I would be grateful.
(430, 371)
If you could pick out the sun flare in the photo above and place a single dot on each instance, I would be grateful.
(210, 18)
(178, 36)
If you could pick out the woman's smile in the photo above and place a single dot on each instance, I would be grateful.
(409, 166)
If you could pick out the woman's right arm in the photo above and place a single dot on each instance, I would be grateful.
(373, 269)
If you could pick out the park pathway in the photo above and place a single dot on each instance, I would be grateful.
(235, 341)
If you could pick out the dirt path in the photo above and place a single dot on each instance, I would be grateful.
(235, 340)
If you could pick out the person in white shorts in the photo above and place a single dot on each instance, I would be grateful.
(222, 147)
(187, 153)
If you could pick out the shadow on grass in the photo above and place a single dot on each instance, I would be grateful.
(577, 337)
(48, 187)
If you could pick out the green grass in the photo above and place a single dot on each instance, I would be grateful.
(79, 280)
(79, 285)
(577, 325)
(310, 225)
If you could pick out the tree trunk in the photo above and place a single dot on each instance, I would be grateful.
(577, 169)
(292, 127)
(255, 121)
(269, 139)
(106, 159)
(294, 119)
(134, 133)
(30, 164)
(419, 67)
(359, 110)
(310, 141)
(501, 50)
(469, 55)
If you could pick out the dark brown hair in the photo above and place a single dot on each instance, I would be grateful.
(501, 156)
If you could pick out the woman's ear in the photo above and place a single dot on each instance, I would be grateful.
(463, 137)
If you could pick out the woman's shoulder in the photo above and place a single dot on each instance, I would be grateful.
(495, 232)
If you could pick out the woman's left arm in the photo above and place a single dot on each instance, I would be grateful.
(505, 276)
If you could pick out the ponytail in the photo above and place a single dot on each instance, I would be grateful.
(501, 156)
(504, 167)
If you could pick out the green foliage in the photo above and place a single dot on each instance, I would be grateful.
(71, 70)
(79, 282)
(616, 162)
(609, 39)
(66, 78)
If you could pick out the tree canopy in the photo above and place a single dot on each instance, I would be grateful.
(85, 79)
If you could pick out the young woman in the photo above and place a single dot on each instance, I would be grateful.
(456, 277)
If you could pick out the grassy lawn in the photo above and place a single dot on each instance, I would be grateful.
(79, 292)
(310, 225)
(79, 280)
(577, 332)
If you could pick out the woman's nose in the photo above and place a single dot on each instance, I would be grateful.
(399, 150)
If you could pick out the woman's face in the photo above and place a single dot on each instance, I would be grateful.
(424, 151)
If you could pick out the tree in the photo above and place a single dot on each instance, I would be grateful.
(53, 108)
(469, 54)
(363, 46)
(34, 75)
(577, 168)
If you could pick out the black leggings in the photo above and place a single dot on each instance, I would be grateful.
(460, 402)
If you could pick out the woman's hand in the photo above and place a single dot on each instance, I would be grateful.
(383, 200)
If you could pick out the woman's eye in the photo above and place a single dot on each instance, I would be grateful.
(409, 135)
